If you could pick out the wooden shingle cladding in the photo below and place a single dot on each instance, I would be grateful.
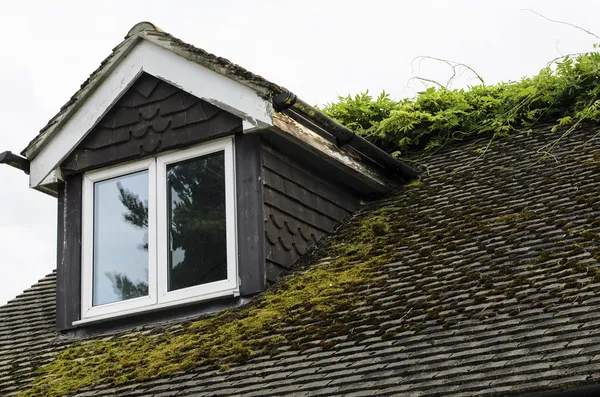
(282, 207)
(151, 117)
(299, 209)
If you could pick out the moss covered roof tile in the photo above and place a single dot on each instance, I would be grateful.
(483, 278)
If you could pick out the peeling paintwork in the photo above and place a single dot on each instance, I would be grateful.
(327, 149)
(257, 124)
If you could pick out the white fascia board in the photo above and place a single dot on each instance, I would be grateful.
(56, 124)
(189, 76)
(53, 177)
(208, 85)
(85, 118)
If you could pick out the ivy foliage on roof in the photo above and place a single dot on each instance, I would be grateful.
(567, 91)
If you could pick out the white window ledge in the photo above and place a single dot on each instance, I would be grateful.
(157, 307)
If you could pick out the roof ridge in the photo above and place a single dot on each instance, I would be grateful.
(140, 27)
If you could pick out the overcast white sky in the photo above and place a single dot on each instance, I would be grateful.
(317, 49)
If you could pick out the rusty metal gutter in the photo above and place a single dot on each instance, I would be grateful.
(343, 135)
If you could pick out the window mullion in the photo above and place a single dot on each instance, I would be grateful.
(161, 228)
(152, 229)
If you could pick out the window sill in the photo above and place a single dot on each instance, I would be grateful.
(153, 308)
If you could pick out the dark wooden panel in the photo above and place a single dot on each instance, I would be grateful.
(68, 275)
(251, 254)
(274, 271)
(287, 238)
(300, 208)
(278, 164)
(151, 117)
(61, 279)
(299, 193)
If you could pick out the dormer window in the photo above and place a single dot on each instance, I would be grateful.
(159, 231)
(186, 184)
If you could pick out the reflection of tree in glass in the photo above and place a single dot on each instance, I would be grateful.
(197, 219)
(137, 215)
(124, 288)
(196, 200)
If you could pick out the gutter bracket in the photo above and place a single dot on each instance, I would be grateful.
(344, 141)
(283, 101)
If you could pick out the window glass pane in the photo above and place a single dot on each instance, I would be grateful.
(121, 238)
(196, 208)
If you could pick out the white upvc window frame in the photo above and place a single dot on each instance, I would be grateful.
(88, 310)
(210, 290)
(158, 236)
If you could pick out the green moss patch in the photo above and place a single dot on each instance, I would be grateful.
(282, 315)
(431, 256)
(414, 183)
(524, 215)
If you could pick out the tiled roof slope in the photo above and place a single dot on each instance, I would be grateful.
(27, 334)
(492, 288)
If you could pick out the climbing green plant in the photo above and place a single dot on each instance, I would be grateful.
(565, 93)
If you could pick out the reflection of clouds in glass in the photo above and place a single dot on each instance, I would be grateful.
(116, 241)
(175, 200)
(178, 256)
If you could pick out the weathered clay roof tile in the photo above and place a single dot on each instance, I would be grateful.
(490, 286)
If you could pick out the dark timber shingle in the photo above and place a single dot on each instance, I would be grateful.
(299, 209)
(151, 117)
(495, 290)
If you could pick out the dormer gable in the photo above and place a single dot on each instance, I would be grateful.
(187, 184)
(151, 117)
